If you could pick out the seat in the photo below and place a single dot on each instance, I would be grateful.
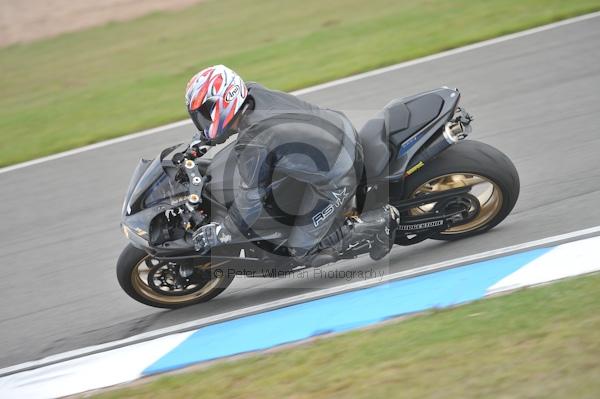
(405, 117)
(398, 120)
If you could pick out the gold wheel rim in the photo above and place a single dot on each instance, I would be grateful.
(487, 192)
(139, 279)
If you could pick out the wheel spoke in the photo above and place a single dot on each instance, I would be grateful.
(472, 181)
(161, 282)
(484, 190)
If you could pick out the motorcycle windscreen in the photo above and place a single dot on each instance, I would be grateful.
(141, 167)
(153, 187)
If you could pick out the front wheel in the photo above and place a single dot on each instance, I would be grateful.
(167, 284)
(491, 176)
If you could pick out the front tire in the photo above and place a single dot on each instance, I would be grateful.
(492, 176)
(146, 280)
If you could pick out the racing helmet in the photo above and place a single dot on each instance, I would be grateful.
(213, 98)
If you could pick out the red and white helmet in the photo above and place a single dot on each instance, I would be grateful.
(213, 97)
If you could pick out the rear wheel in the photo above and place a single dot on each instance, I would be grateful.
(167, 284)
(493, 184)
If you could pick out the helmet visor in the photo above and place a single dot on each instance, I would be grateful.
(202, 123)
(202, 117)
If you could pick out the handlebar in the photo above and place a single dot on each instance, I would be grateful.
(192, 152)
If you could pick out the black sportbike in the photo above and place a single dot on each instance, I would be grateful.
(415, 158)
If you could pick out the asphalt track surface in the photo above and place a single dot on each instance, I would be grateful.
(536, 98)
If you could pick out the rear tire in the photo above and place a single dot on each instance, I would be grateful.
(471, 158)
(138, 288)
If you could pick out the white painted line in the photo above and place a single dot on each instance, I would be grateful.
(311, 89)
(297, 299)
(571, 259)
(90, 372)
(455, 51)
(95, 146)
(131, 362)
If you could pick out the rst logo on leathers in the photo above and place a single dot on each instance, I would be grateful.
(330, 209)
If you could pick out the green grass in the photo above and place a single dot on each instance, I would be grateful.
(92, 85)
(537, 343)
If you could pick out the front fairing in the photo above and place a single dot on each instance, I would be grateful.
(141, 167)
(152, 190)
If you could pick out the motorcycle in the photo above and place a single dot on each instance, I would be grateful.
(415, 158)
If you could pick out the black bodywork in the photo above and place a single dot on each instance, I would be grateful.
(408, 131)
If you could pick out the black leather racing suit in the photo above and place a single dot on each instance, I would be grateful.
(283, 137)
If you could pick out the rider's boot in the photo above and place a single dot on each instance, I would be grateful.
(378, 226)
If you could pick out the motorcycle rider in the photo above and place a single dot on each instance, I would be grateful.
(280, 134)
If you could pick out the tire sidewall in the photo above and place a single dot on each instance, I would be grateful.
(131, 256)
(476, 158)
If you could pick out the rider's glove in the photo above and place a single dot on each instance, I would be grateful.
(209, 236)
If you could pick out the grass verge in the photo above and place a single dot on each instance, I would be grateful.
(92, 85)
(541, 342)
